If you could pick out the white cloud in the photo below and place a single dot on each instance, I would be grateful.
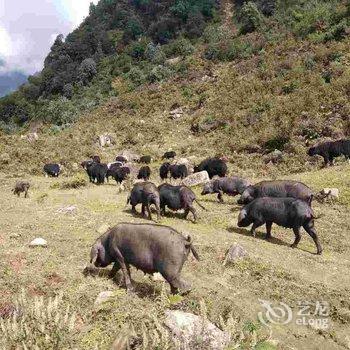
(77, 10)
(28, 29)
(5, 40)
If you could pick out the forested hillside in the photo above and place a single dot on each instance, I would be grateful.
(251, 76)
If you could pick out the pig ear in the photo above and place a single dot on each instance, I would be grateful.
(242, 214)
(94, 254)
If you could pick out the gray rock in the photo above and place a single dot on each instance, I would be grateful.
(38, 242)
(173, 61)
(195, 179)
(189, 330)
(331, 192)
(103, 297)
(67, 210)
(130, 155)
(176, 113)
(105, 140)
(234, 253)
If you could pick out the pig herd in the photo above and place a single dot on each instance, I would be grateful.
(156, 248)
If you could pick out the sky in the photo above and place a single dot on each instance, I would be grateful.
(29, 27)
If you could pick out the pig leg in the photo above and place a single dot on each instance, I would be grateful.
(312, 232)
(133, 209)
(143, 210)
(177, 285)
(192, 210)
(220, 197)
(115, 269)
(296, 231)
(326, 160)
(158, 210)
(268, 230)
(126, 271)
(149, 211)
(162, 210)
(256, 224)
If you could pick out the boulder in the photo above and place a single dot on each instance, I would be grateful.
(105, 140)
(32, 137)
(195, 179)
(103, 229)
(130, 155)
(67, 210)
(332, 193)
(190, 330)
(103, 297)
(176, 113)
(234, 253)
(173, 61)
(38, 242)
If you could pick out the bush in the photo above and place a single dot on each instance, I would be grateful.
(290, 87)
(137, 76)
(276, 143)
(159, 73)
(87, 70)
(251, 17)
(154, 53)
(180, 47)
(76, 182)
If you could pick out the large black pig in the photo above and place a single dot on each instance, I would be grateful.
(286, 212)
(149, 248)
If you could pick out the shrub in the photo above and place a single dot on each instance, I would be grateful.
(136, 75)
(154, 53)
(290, 87)
(87, 70)
(251, 17)
(276, 143)
(159, 73)
(180, 47)
(75, 182)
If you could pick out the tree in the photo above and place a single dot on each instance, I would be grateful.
(87, 70)
(251, 18)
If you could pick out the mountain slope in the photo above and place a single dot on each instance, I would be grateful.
(10, 81)
(259, 76)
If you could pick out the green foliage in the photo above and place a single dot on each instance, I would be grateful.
(133, 40)
(77, 181)
(251, 18)
(276, 143)
(154, 53)
(159, 73)
(224, 47)
(179, 47)
(136, 75)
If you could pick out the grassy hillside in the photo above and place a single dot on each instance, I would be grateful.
(260, 77)
(251, 78)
